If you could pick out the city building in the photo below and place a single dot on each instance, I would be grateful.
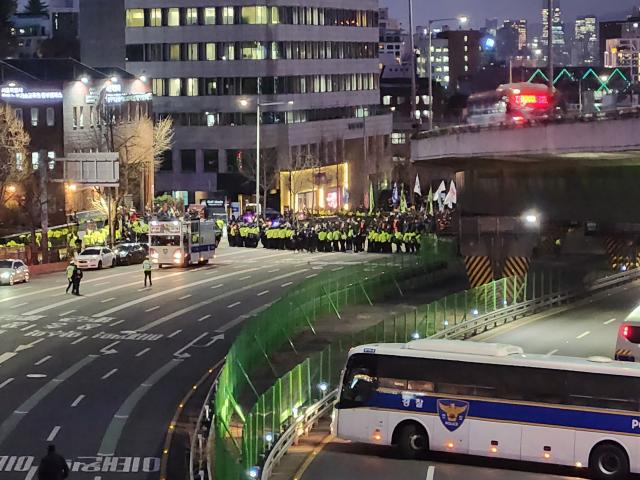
(585, 45)
(558, 38)
(521, 26)
(491, 26)
(64, 106)
(507, 42)
(394, 45)
(52, 34)
(624, 53)
(317, 62)
(439, 57)
(464, 55)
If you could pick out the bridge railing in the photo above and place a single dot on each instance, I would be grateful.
(239, 437)
(617, 114)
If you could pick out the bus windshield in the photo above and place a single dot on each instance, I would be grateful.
(165, 240)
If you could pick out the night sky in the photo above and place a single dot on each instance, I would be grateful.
(478, 10)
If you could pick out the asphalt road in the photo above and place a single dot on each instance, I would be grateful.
(589, 328)
(101, 375)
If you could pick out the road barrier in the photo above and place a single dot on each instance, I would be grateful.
(238, 439)
(456, 316)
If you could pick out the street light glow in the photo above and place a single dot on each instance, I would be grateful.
(463, 19)
(290, 102)
(244, 102)
(114, 79)
(143, 78)
(84, 79)
(11, 189)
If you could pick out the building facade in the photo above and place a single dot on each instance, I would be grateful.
(317, 61)
(585, 45)
(558, 37)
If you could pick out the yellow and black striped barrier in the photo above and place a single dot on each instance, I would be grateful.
(516, 266)
(479, 270)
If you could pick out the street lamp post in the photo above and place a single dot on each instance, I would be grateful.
(259, 106)
(462, 20)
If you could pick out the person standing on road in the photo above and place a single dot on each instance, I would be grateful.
(53, 466)
(75, 279)
(69, 271)
(146, 266)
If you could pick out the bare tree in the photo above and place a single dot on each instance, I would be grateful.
(269, 171)
(14, 141)
(301, 169)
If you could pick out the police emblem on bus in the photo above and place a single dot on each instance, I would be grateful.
(452, 413)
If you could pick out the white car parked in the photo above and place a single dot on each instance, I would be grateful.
(96, 257)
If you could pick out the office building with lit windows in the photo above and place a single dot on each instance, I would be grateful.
(209, 59)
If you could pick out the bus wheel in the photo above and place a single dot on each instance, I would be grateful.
(412, 441)
(608, 461)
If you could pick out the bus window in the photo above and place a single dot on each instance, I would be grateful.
(359, 381)
(165, 241)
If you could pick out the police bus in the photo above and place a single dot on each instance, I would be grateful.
(493, 400)
(182, 242)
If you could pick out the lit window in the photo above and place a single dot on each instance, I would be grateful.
(175, 87)
(135, 17)
(191, 16)
(227, 15)
(81, 117)
(174, 51)
(398, 138)
(52, 160)
(34, 117)
(35, 160)
(155, 17)
(19, 115)
(210, 51)
(157, 86)
(211, 120)
(192, 87)
(229, 51)
(210, 16)
(256, 15)
(173, 17)
(192, 52)
(19, 161)
(50, 117)
(75, 117)
(386, 100)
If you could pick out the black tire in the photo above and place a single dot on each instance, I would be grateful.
(113, 263)
(413, 441)
(608, 462)
(100, 265)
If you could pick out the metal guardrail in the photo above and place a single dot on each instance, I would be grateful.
(313, 413)
(617, 114)
(482, 323)
(199, 466)
(300, 426)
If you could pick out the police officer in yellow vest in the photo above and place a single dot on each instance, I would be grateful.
(146, 267)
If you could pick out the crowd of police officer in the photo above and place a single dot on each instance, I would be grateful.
(375, 234)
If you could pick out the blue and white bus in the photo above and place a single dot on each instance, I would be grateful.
(493, 400)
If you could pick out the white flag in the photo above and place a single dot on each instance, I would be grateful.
(441, 189)
(417, 189)
(452, 196)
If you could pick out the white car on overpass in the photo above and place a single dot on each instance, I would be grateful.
(96, 257)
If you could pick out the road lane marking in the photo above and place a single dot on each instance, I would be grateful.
(108, 374)
(286, 284)
(116, 323)
(77, 401)
(9, 425)
(164, 293)
(552, 352)
(609, 321)
(245, 278)
(53, 433)
(31, 474)
(6, 382)
(67, 313)
(582, 335)
(40, 362)
(312, 275)
(431, 471)
(234, 304)
(36, 375)
(237, 321)
(20, 305)
(274, 270)
(222, 296)
(107, 300)
(264, 292)
(216, 286)
(28, 327)
(100, 284)
(142, 352)
(114, 430)
(6, 356)
(174, 334)
(81, 339)
(184, 297)
(204, 318)
(152, 309)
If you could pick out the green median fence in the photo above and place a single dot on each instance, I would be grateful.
(240, 437)
(280, 406)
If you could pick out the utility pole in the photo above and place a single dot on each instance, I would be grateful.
(550, 42)
(43, 166)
